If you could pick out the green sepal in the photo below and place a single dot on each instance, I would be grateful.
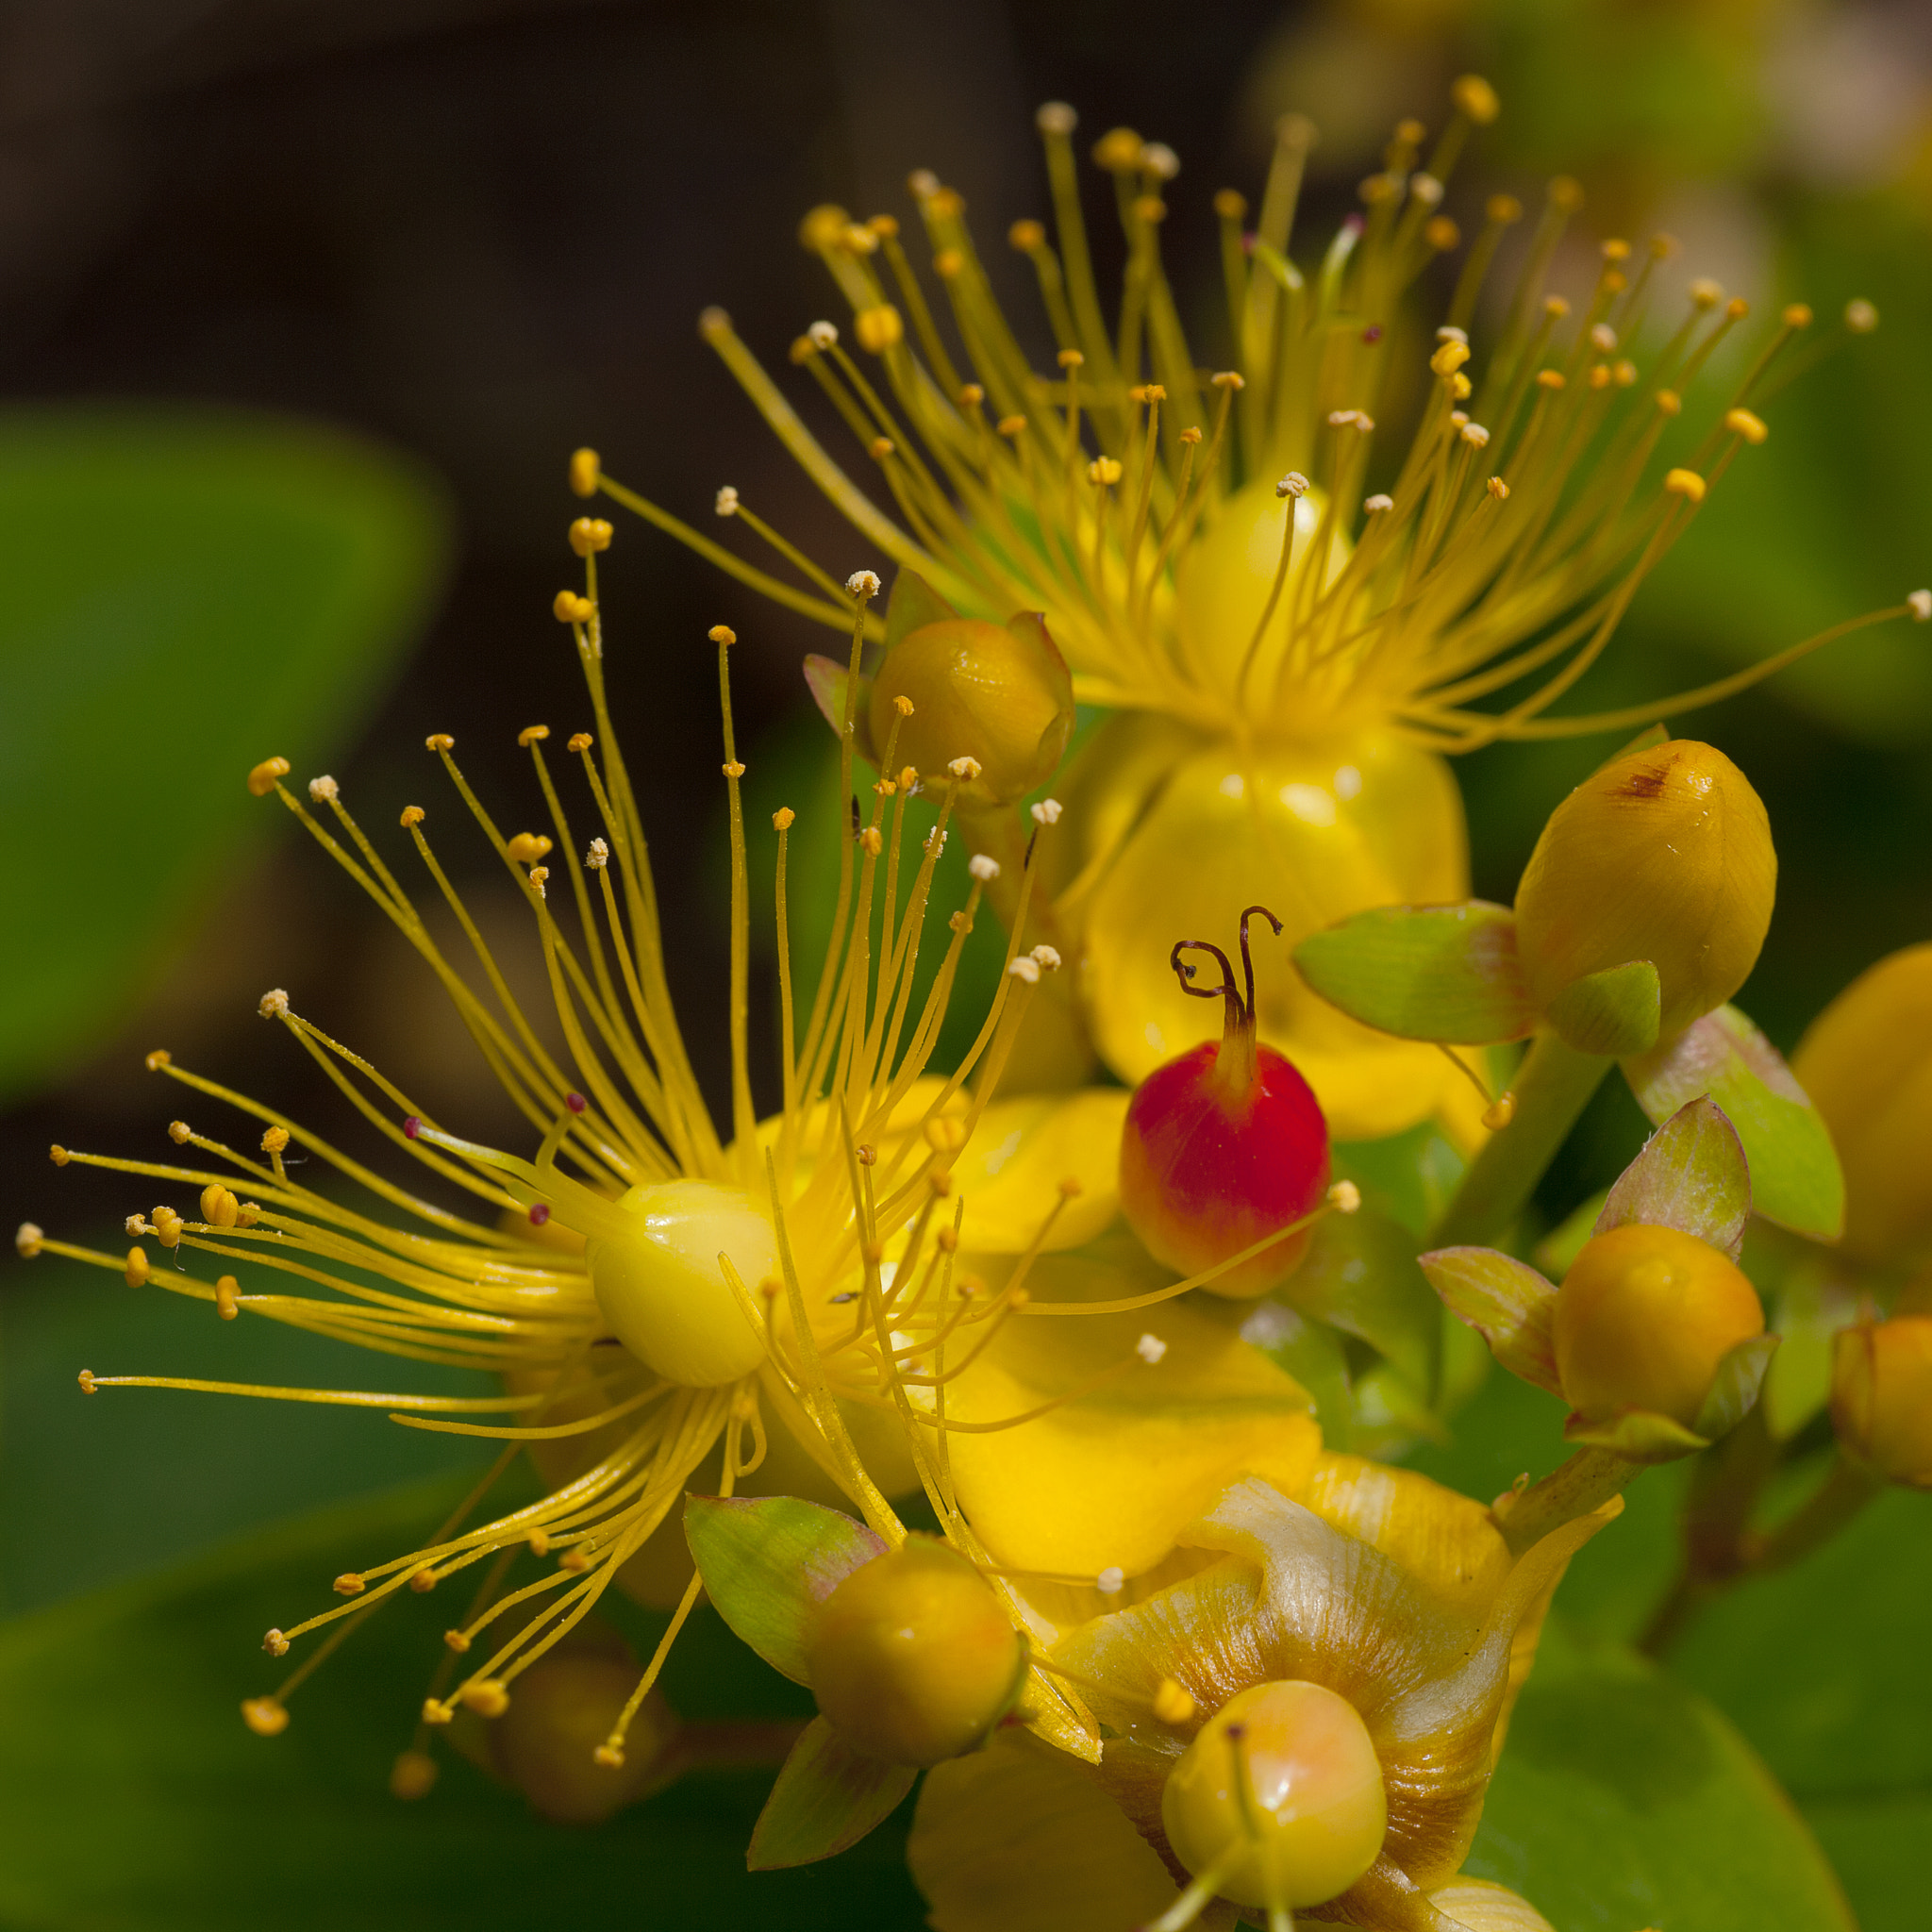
(1509, 1304)
(1615, 1012)
(1795, 1178)
(828, 680)
(1639, 1433)
(1359, 1277)
(1690, 1176)
(913, 605)
(827, 1797)
(1740, 1377)
(1439, 972)
(769, 1562)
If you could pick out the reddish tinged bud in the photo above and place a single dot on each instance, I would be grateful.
(1223, 1145)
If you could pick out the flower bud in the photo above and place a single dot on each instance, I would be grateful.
(1642, 1321)
(1866, 1061)
(1881, 1396)
(1280, 1795)
(914, 1659)
(1000, 694)
(659, 1285)
(1664, 855)
(563, 1710)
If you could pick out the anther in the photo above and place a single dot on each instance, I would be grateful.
(1556, 307)
(880, 447)
(526, 848)
(1685, 483)
(1798, 315)
(180, 1132)
(1104, 470)
(1047, 959)
(1746, 424)
(1623, 372)
(167, 1228)
(136, 1270)
(1071, 358)
(1055, 117)
(1150, 1348)
(1920, 603)
(1230, 203)
(1551, 379)
(965, 768)
(1171, 1704)
(1344, 1197)
(421, 1581)
(579, 742)
(540, 1214)
(264, 1716)
(1374, 505)
(1010, 425)
(783, 819)
(323, 790)
(412, 1127)
(136, 1224)
(972, 397)
(947, 1241)
(1861, 318)
(589, 535)
(1295, 484)
(576, 1102)
(1047, 812)
(1111, 1580)
(873, 840)
(947, 262)
(440, 740)
(822, 335)
(275, 1643)
(58, 1155)
(349, 1584)
(412, 816)
(1737, 308)
(878, 328)
(568, 608)
(1499, 1112)
(1227, 378)
(863, 584)
(1603, 338)
(598, 856)
(27, 1238)
(1498, 488)
(1503, 210)
(487, 1697)
(1025, 969)
(219, 1207)
(261, 780)
(1670, 402)
(584, 466)
(539, 1540)
(575, 1560)
(435, 1712)
(1449, 357)
(226, 1304)
(456, 1640)
(532, 734)
(1474, 435)
(1474, 99)
(85, 1378)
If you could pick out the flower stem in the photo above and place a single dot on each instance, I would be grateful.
(1832, 1504)
(1552, 1088)
(1587, 1480)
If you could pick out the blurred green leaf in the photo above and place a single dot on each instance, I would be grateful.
(1361, 1277)
(188, 594)
(1623, 1799)
(827, 1797)
(132, 1797)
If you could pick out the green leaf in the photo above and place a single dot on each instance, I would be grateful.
(1311, 1352)
(828, 1796)
(1740, 1376)
(188, 594)
(1561, 1247)
(1409, 1177)
(828, 680)
(1446, 972)
(1510, 1305)
(1613, 1012)
(132, 1797)
(1623, 1799)
(1795, 1179)
(1360, 1275)
(1691, 1177)
(912, 605)
(769, 1562)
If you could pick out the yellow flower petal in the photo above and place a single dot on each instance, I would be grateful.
(1109, 1479)
(1010, 1172)
(1485, 1908)
(1020, 1838)
(1313, 834)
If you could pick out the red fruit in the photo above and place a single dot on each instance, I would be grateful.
(1223, 1145)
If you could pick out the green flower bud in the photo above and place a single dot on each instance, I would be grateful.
(1280, 1795)
(1643, 1320)
(1665, 854)
(1000, 695)
(1867, 1064)
(1881, 1397)
(914, 1659)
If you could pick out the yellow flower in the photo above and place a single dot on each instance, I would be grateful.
(1287, 659)
(850, 1297)
(1398, 1599)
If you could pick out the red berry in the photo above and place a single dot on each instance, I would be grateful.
(1222, 1146)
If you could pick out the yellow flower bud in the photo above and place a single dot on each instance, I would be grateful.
(914, 1659)
(565, 1707)
(1281, 1795)
(1881, 1396)
(1664, 855)
(998, 694)
(1866, 1061)
(1643, 1319)
(661, 1289)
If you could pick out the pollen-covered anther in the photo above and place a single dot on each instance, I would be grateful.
(1685, 483)
(261, 779)
(585, 464)
(85, 1379)
(579, 742)
(1474, 435)
(539, 1542)
(1498, 488)
(1344, 1197)
(1603, 338)
(1047, 959)
(822, 335)
(732, 769)
(598, 856)
(58, 1155)
(275, 1643)
(526, 848)
(1111, 1580)
(265, 1716)
(1009, 427)
(871, 841)
(880, 447)
(1104, 470)
(1375, 505)
(1047, 812)
(180, 1132)
(439, 740)
(983, 867)
(412, 816)
(1798, 315)
(456, 1640)
(1861, 317)
(28, 1237)
(532, 734)
(219, 1207)
(1747, 425)
(1027, 970)
(1172, 1704)
(589, 535)
(1424, 187)
(167, 1228)
(274, 1140)
(136, 1270)
(1150, 1348)
(1449, 357)
(722, 634)
(1670, 402)
(863, 584)
(349, 1583)
(783, 819)
(135, 1225)
(226, 1304)
(966, 768)
(568, 608)
(1295, 484)
(1920, 604)
(422, 1580)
